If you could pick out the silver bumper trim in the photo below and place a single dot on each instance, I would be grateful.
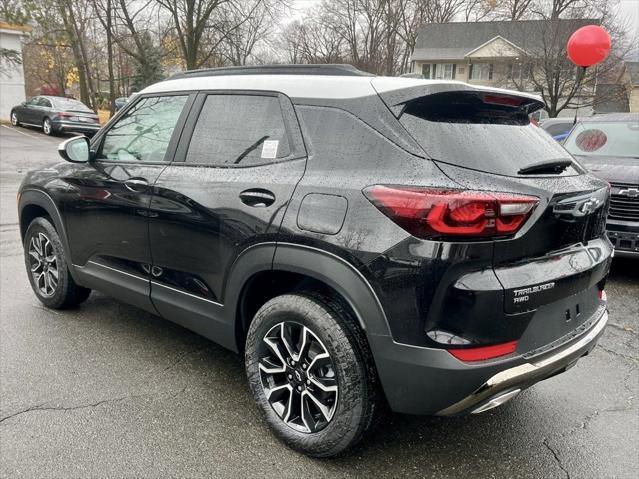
(529, 372)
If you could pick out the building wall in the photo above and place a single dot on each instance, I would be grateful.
(11, 76)
(634, 99)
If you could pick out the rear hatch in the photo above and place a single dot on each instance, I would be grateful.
(552, 268)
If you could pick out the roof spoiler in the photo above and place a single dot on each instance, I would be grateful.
(397, 96)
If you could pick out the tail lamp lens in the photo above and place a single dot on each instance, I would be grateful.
(435, 213)
(483, 353)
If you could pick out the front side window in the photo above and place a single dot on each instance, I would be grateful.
(239, 130)
(144, 132)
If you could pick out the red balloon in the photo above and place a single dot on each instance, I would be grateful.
(588, 46)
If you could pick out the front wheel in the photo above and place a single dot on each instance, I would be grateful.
(312, 374)
(14, 119)
(47, 127)
(47, 267)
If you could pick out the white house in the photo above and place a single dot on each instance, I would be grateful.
(11, 72)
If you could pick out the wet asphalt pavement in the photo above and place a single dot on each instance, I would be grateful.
(108, 390)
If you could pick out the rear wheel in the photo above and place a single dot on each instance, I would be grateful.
(14, 119)
(47, 127)
(311, 373)
(47, 267)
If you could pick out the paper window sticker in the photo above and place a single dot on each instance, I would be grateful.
(269, 149)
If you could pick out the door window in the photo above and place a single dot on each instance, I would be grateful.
(144, 132)
(239, 130)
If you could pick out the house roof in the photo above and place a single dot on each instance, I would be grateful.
(452, 41)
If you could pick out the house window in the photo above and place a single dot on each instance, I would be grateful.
(445, 71)
(438, 71)
(520, 71)
(481, 71)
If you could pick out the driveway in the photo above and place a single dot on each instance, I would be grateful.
(108, 390)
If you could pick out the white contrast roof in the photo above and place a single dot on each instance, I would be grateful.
(311, 86)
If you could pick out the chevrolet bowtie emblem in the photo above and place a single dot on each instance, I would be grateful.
(632, 192)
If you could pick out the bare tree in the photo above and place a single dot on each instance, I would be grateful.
(250, 24)
(313, 40)
(515, 9)
(104, 13)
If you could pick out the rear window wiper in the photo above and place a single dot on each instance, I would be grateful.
(549, 167)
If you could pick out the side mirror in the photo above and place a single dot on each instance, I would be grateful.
(75, 150)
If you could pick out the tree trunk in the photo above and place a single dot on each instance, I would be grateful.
(109, 32)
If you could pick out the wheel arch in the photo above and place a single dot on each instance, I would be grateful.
(290, 267)
(36, 203)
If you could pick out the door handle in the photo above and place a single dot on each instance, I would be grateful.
(136, 184)
(257, 197)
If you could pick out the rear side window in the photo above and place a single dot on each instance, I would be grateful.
(239, 130)
(486, 134)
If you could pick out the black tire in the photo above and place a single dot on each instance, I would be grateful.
(47, 127)
(357, 402)
(59, 293)
(14, 119)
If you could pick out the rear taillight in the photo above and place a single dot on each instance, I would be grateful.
(602, 295)
(483, 353)
(68, 116)
(436, 213)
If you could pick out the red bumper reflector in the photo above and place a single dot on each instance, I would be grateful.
(602, 295)
(484, 352)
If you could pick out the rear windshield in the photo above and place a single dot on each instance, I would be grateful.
(71, 104)
(463, 130)
(604, 139)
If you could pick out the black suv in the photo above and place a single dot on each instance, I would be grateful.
(364, 241)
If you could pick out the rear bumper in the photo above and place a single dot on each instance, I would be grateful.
(429, 381)
(514, 379)
(75, 126)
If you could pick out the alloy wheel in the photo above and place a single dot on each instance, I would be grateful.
(46, 126)
(43, 264)
(14, 119)
(298, 377)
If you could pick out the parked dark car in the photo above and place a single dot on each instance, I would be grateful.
(56, 114)
(118, 103)
(608, 145)
(361, 240)
(558, 128)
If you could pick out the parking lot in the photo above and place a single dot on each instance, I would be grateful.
(107, 390)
